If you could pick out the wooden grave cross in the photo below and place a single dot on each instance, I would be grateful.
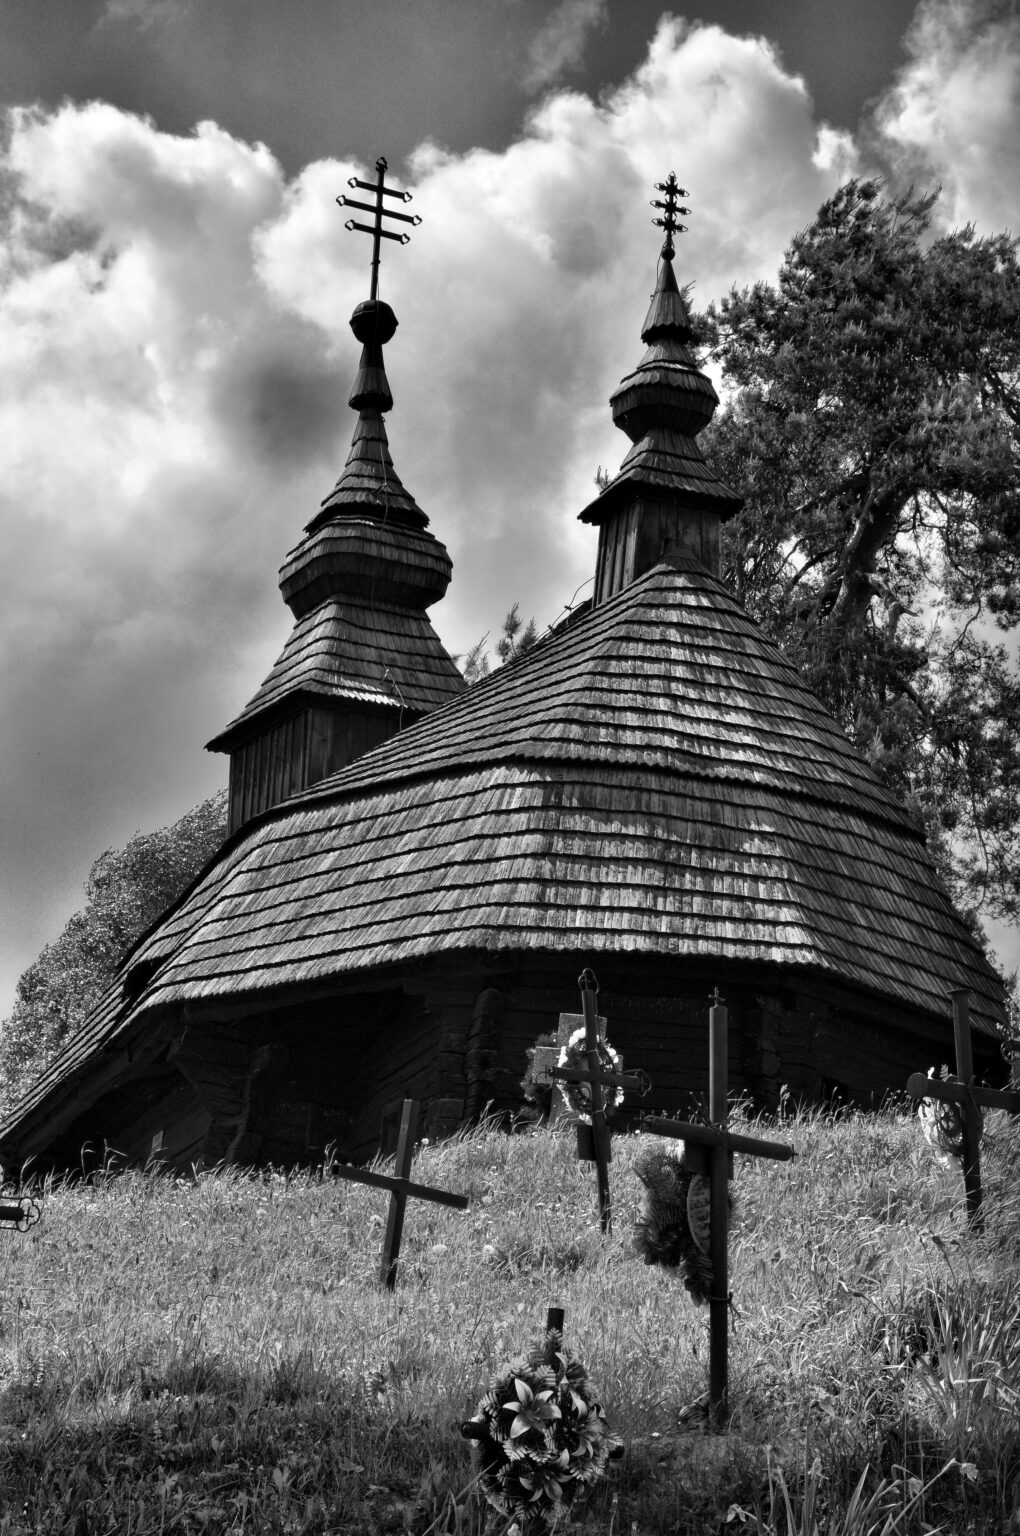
(401, 1188)
(708, 1150)
(593, 1142)
(968, 1095)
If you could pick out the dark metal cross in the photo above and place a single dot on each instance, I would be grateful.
(964, 1092)
(401, 1190)
(597, 1148)
(671, 208)
(381, 212)
(708, 1150)
(21, 1214)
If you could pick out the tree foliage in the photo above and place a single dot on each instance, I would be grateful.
(126, 891)
(874, 430)
(515, 638)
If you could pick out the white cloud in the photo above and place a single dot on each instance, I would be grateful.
(146, 13)
(177, 361)
(558, 47)
(953, 115)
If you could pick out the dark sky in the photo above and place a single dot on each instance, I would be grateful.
(314, 77)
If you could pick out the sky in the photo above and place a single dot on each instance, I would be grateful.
(176, 279)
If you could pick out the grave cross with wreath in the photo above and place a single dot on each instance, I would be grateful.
(708, 1152)
(584, 1086)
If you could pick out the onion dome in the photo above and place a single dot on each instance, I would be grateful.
(369, 537)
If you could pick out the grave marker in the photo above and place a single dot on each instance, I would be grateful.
(709, 1149)
(967, 1096)
(401, 1190)
(594, 1142)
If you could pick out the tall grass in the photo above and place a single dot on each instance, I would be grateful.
(215, 1353)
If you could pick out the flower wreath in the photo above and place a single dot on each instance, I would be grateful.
(540, 1433)
(578, 1095)
(673, 1227)
(942, 1125)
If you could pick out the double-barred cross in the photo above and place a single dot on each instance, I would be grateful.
(708, 1150)
(401, 1189)
(962, 1091)
(380, 212)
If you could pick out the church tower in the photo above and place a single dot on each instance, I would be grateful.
(363, 660)
(665, 499)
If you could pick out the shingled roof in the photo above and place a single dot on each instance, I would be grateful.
(655, 779)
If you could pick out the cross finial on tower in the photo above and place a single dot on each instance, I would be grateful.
(381, 212)
(671, 209)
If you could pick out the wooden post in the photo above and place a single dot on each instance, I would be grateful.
(709, 1149)
(718, 1304)
(401, 1189)
(971, 1113)
(398, 1199)
(589, 987)
(969, 1096)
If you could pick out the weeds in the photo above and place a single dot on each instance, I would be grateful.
(214, 1354)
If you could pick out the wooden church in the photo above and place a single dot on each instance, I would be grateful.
(417, 872)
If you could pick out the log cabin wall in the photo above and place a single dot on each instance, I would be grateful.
(820, 1042)
(639, 534)
(283, 1086)
(301, 750)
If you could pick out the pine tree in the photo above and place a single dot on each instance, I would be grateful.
(874, 429)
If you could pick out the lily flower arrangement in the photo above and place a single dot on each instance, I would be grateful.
(541, 1434)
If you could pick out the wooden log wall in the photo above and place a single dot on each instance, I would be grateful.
(637, 536)
(282, 1086)
(299, 751)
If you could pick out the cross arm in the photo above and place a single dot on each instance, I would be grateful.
(400, 1186)
(369, 229)
(24, 1213)
(634, 1080)
(373, 186)
(386, 213)
(921, 1087)
(713, 1136)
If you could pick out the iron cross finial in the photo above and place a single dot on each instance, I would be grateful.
(671, 208)
(716, 998)
(381, 212)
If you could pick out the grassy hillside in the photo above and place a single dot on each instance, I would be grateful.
(216, 1354)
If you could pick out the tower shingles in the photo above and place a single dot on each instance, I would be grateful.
(363, 660)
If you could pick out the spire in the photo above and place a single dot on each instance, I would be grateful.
(369, 484)
(665, 496)
(363, 660)
(339, 556)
